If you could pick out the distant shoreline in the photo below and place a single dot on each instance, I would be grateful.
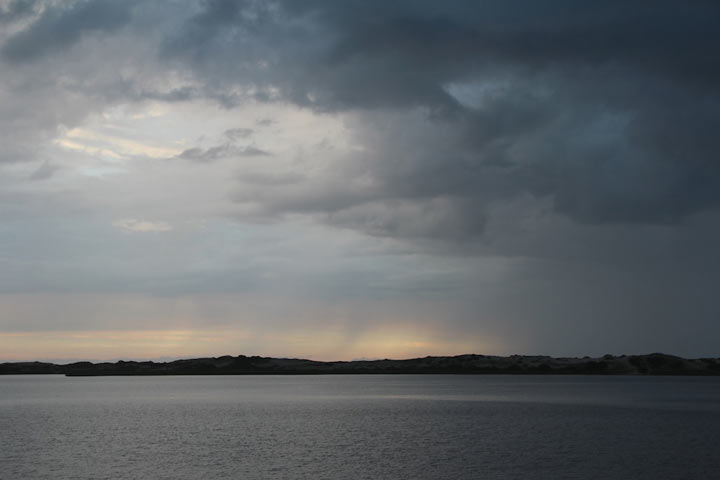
(651, 364)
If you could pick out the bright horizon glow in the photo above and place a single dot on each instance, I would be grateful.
(232, 324)
(142, 345)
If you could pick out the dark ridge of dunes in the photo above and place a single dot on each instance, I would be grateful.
(652, 364)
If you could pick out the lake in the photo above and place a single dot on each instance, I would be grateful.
(359, 427)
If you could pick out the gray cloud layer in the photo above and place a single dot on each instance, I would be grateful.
(577, 137)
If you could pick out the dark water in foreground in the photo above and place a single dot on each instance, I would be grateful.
(359, 427)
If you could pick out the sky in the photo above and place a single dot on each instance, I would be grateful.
(358, 179)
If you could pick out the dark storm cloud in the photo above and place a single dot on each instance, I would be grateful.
(384, 53)
(16, 10)
(609, 108)
(60, 26)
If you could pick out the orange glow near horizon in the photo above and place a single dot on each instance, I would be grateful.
(382, 342)
(229, 324)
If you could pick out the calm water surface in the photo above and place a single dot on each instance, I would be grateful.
(359, 427)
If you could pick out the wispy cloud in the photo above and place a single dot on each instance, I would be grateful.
(141, 226)
(202, 155)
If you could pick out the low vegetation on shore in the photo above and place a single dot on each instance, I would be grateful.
(652, 364)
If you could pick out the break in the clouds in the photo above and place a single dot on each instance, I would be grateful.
(541, 177)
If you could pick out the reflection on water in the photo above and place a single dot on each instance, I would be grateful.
(356, 427)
